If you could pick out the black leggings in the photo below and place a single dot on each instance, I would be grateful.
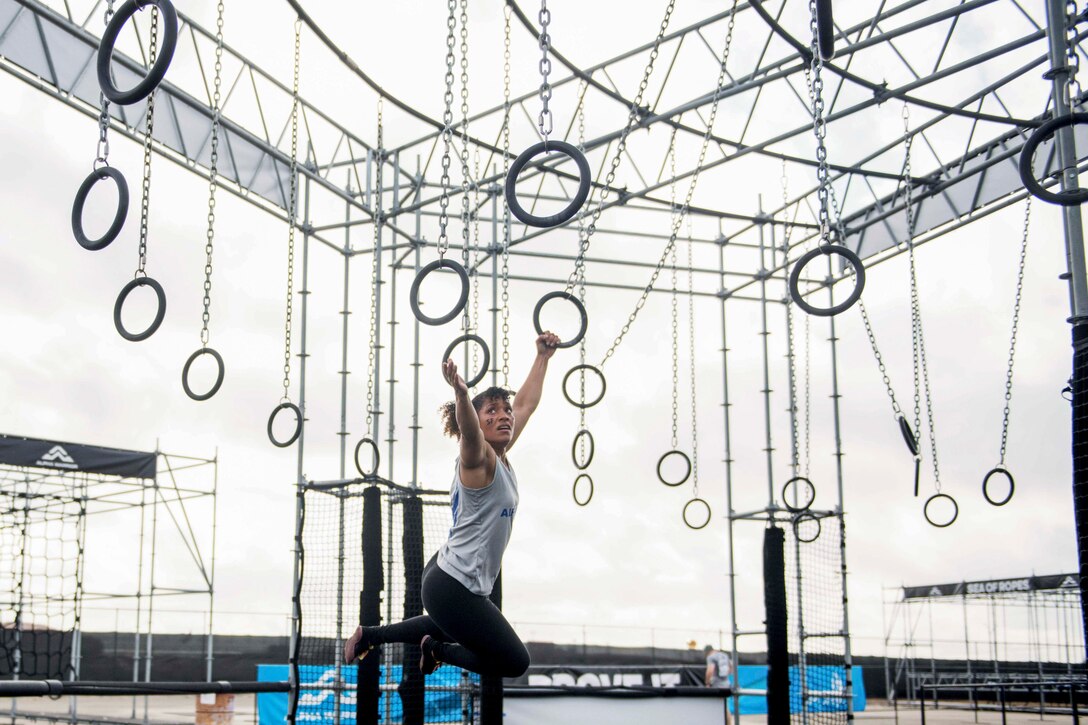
(470, 632)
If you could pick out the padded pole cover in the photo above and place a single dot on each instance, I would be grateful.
(1080, 458)
(491, 685)
(411, 684)
(774, 599)
(370, 599)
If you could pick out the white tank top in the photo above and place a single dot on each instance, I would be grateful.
(482, 521)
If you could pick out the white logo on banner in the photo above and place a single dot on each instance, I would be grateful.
(1068, 582)
(57, 457)
(935, 592)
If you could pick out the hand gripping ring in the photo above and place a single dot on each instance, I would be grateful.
(376, 457)
(575, 301)
(579, 404)
(795, 277)
(574, 491)
(687, 473)
(218, 377)
(160, 312)
(574, 449)
(413, 295)
(1072, 197)
(298, 425)
(800, 519)
(998, 471)
(95, 176)
(575, 204)
(955, 510)
(162, 58)
(908, 435)
(487, 356)
(809, 498)
(687, 510)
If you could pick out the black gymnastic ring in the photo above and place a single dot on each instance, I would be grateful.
(808, 484)
(576, 302)
(955, 510)
(1072, 197)
(95, 176)
(855, 295)
(685, 514)
(662, 460)
(218, 378)
(804, 516)
(591, 403)
(160, 313)
(986, 485)
(487, 356)
(825, 30)
(377, 456)
(298, 425)
(575, 204)
(908, 435)
(413, 295)
(574, 489)
(574, 449)
(162, 58)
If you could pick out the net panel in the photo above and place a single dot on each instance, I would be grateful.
(818, 668)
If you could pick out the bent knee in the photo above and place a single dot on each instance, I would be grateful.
(517, 663)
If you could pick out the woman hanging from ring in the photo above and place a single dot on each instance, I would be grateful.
(463, 628)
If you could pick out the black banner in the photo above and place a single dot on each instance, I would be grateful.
(994, 586)
(34, 453)
(612, 676)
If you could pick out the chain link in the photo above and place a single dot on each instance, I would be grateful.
(819, 125)
(468, 320)
(581, 116)
(149, 125)
(103, 152)
(544, 120)
(447, 133)
(691, 188)
(506, 12)
(213, 170)
(1072, 60)
(1015, 326)
(291, 218)
(632, 122)
(674, 298)
(379, 222)
(691, 366)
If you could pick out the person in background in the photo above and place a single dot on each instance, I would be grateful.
(719, 668)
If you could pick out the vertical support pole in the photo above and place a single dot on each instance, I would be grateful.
(412, 681)
(727, 448)
(342, 694)
(391, 426)
(1078, 291)
(765, 333)
(418, 244)
(211, 584)
(370, 601)
(967, 649)
(491, 690)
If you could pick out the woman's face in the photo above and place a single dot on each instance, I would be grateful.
(497, 421)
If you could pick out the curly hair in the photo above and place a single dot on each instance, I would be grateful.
(448, 411)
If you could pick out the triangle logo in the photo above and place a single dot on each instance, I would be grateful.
(936, 592)
(57, 457)
(1067, 582)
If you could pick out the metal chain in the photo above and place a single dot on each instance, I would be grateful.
(808, 394)
(819, 126)
(791, 356)
(468, 320)
(291, 218)
(1015, 325)
(691, 366)
(1072, 60)
(581, 115)
(149, 125)
(896, 410)
(103, 152)
(447, 134)
(687, 199)
(632, 122)
(506, 207)
(674, 300)
(213, 170)
(544, 120)
(379, 222)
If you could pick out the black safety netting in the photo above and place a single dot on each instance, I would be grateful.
(362, 557)
(820, 679)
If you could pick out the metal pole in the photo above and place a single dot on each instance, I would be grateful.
(391, 427)
(415, 345)
(967, 649)
(211, 585)
(341, 691)
(726, 443)
(766, 391)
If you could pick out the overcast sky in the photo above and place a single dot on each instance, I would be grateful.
(625, 564)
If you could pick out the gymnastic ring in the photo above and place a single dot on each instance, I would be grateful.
(95, 176)
(298, 424)
(811, 497)
(487, 356)
(574, 449)
(413, 295)
(574, 490)
(162, 58)
(908, 435)
(955, 510)
(218, 377)
(377, 457)
(806, 516)
(986, 485)
(575, 204)
(1071, 197)
(160, 312)
(685, 514)
(662, 460)
(825, 30)
(855, 295)
(573, 300)
(583, 404)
